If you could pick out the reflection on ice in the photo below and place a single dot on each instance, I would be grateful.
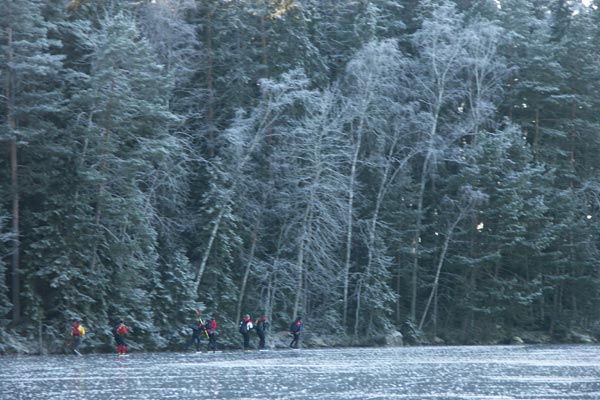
(499, 373)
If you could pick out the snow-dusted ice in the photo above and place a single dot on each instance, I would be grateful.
(499, 373)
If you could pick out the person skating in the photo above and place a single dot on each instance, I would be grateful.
(211, 331)
(119, 332)
(77, 332)
(198, 329)
(296, 329)
(245, 328)
(261, 331)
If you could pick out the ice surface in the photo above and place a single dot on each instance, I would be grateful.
(494, 373)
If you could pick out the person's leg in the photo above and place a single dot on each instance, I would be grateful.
(294, 343)
(76, 343)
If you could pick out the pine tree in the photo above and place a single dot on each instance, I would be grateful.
(30, 98)
(129, 153)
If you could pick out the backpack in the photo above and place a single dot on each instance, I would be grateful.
(75, 331)
(122, 330)
(243, 327)
(293, 327)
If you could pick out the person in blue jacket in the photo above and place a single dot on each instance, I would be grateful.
(296, 329)
(261, 327)
(197, 330)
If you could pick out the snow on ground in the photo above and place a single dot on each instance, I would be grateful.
(478, 372)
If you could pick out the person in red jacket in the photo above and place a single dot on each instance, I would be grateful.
(119, 333)
(211, 331)
(77, 332)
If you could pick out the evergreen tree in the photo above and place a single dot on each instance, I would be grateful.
(506, 237)
(6, 306)
(127, 159)
(30, 98)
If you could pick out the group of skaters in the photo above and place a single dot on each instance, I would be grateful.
(200, 328)
(119, 332)
(245, 327)
(260, 326)
(208, 328)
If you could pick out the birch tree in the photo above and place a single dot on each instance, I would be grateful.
(456, 80)
(375, 78)
(311, 155)
(245, 137)
(456, 210)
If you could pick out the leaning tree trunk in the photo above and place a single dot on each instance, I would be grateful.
(300, 259)
(385, 182)
(438, 271)
(248, 268)
(349, 233)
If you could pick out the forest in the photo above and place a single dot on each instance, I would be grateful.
(373, 166)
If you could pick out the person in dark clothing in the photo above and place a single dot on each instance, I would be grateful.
(197, 331)
(211, 330)
(295, 330)
(261, 331)
(119, 332)
(245, 328)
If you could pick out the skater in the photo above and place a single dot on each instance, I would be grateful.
(119, 332)
(245, 328)
(211, 331)
(197, 330)
(295, 329)
(261, 331)
(77, 332)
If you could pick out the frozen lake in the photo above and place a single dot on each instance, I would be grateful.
(498, 372)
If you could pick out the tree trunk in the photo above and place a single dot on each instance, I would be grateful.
(248, 268)
(16, 290)
(349, 233)
(385, 182)
(449, 234)
(419, 223)
(363, 110)
(103, 166)
(210, 112)
(300, 259)
(417, 240)
(213, 235)
(225, 203)
(14, 180)
(437, 274)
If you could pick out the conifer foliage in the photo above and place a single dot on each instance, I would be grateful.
(370, 165)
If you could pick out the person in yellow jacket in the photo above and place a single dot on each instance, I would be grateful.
(77, 332)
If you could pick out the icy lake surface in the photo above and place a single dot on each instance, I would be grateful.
(495, 372)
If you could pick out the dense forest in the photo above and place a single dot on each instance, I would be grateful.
(370, 165)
